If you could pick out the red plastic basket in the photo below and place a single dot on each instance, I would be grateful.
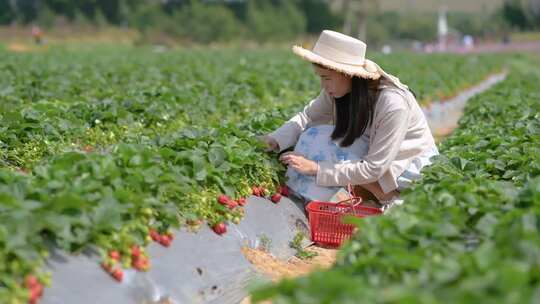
(325, 220)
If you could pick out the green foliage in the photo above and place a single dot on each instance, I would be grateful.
(399, 26)
(148, 16)
(319, 16)
(205, 23)
(429, 76)
(296, 244)
(475, 25)
(514, 13)
(270, 22)
(6, 12)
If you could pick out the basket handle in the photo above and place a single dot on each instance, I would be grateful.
(357, 200)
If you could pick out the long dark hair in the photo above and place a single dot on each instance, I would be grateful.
(355, 114)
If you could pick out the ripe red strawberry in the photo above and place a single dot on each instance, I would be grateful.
(141, 264)
(33, 297)
(135, 251)
(35, 293)
(284, 190)
(276, 197)
(137, 264)
(155, 235)
(115, 255)
(118, 274)
(165, 240)
(31, 281)
(256, 191)
(241, 201)
(38, 290)
(220, 228)
(232, 204)
(223, 199)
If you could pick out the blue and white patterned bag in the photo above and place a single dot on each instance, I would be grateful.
(316, 144)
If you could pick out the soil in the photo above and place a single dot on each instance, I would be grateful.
(277, 269)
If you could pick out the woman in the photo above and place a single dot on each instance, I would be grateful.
(364, 128)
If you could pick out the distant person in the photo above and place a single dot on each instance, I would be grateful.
(365, 128)
(468, 42)
(37, 34)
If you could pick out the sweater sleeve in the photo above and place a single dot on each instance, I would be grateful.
(319, 110)
(390, 131)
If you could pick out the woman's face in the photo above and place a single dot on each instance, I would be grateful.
(334, 83)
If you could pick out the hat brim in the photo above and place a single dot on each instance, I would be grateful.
(369, 70)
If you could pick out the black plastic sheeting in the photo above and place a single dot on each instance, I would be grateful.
(199, 267)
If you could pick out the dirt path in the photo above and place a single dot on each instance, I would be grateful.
(276, 269)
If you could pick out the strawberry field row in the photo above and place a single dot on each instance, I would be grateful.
(61, 100)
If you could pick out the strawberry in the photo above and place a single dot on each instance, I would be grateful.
(262, 190)
(232, 204)
(276, 197)
(38, 290)
(107, 267)
(135, 251)
(35, 294)
(31, 281)
(256, 191)
(115, 255)
(284, 190)
(165, 240)
(118, 274)
(241, 201)
(220, 228)
(223, 199)
(154, 235)
(141, 264)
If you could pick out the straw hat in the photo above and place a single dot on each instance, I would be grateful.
(344, 54)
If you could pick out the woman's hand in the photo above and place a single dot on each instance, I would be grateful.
(299, 163)
(271, 144)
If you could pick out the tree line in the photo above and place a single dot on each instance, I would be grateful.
(207, 21)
